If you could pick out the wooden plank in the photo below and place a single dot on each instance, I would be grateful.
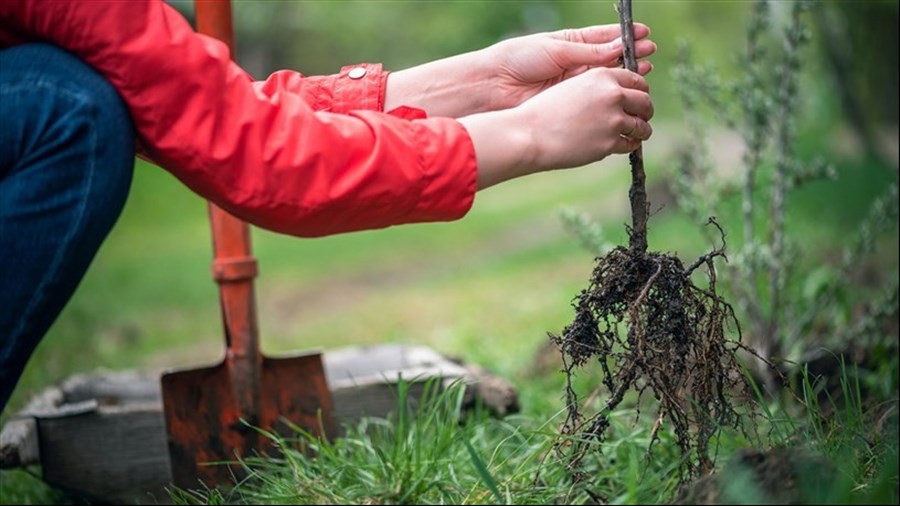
(114, 454)
(113, 387)
(19, 439)
(491, 391)
(103, 435)
(19, 444)
(351, 366)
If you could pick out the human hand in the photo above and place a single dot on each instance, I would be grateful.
(510, 72)
(524, 66)
(584, 119)
(602, 112)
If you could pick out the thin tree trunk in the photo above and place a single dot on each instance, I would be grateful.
(638, 192)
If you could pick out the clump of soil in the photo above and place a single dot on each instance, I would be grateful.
(652, 329)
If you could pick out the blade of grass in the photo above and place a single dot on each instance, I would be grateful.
(483, 472)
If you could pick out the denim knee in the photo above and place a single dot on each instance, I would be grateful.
(46, 65)
(66, 162)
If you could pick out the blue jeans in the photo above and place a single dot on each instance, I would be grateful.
(66, 161)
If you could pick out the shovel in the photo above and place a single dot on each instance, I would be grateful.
(213, 414)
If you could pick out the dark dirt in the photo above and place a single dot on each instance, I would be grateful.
(652, 329)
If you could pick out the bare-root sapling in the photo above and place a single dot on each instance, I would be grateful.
(652, 329)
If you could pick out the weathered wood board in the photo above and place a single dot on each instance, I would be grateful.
(103, 435)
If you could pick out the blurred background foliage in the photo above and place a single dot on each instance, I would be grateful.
(855, 43)
(508, 271)
(318, 37)
(489, 287)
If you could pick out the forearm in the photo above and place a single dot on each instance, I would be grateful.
(452, 87)
(504, 146)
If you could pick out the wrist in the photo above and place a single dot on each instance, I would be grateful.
(505, 146)
(453, 87)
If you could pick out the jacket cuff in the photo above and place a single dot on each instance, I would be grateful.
(359, 87)
(449, 167)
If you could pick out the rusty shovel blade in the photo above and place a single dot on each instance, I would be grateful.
(209, 429)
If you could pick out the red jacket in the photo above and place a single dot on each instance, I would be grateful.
(306, 156)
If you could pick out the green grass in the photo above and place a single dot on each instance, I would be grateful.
(426, 454)
(148, 299)
(487, 288)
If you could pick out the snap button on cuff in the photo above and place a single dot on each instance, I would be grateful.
(356, 73)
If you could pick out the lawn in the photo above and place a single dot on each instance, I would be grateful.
(487, 288)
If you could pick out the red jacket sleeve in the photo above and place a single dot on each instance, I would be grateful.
(338, 93)
(259, 150)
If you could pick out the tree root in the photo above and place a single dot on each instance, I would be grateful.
(650, 328)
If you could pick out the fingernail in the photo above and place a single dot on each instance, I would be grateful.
(616, 44)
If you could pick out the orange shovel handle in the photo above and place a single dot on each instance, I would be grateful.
(233, 265)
